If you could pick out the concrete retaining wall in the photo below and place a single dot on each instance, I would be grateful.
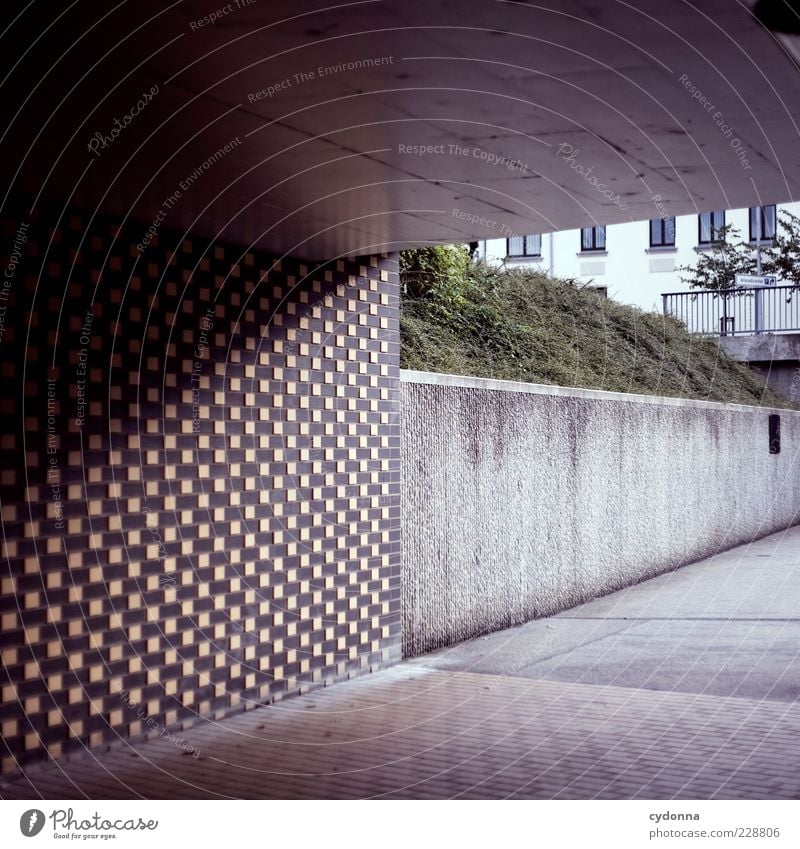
(775, 356)
(521, 500)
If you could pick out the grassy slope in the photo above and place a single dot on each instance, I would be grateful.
(521, 325)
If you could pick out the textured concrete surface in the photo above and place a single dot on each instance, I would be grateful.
(520, 501)
(762, 348)
(408, 122)
(775, 356)
(782, 376)
(727, 626)
(473, 721)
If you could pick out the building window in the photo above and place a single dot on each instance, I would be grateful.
(525, 245)
(662, 232)
(593, 238)
(762, 223)
(709, 225)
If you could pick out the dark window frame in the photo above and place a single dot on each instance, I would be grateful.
(715, 216)
(595, 246)
(662, 229)
(525, 251)
(762, 220)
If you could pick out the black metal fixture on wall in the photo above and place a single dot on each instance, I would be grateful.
(774, 434)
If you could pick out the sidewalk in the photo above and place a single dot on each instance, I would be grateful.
(685, 686)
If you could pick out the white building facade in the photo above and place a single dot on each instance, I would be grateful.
(634, 262)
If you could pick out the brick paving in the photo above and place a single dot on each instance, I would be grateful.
(685, 686)
(415, 732)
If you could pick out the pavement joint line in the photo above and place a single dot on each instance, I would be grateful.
(682, 618)
(578, 740)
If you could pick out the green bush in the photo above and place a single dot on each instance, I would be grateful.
(439, 269)
(526, 326)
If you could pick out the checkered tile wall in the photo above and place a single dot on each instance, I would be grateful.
(199, 479)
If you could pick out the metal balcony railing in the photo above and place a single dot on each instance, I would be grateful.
(738, 311)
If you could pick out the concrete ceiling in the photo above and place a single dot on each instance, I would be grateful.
(322, 167)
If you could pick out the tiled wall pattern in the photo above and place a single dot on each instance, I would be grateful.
(199, 479)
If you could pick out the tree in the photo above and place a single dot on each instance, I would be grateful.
(717, 268)
(441, 268)
(783, 259)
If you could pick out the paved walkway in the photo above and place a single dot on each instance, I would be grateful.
(685, 686)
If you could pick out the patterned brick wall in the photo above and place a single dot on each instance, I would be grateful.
(199, 479)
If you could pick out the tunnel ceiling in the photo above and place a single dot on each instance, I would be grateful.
(326, 129)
